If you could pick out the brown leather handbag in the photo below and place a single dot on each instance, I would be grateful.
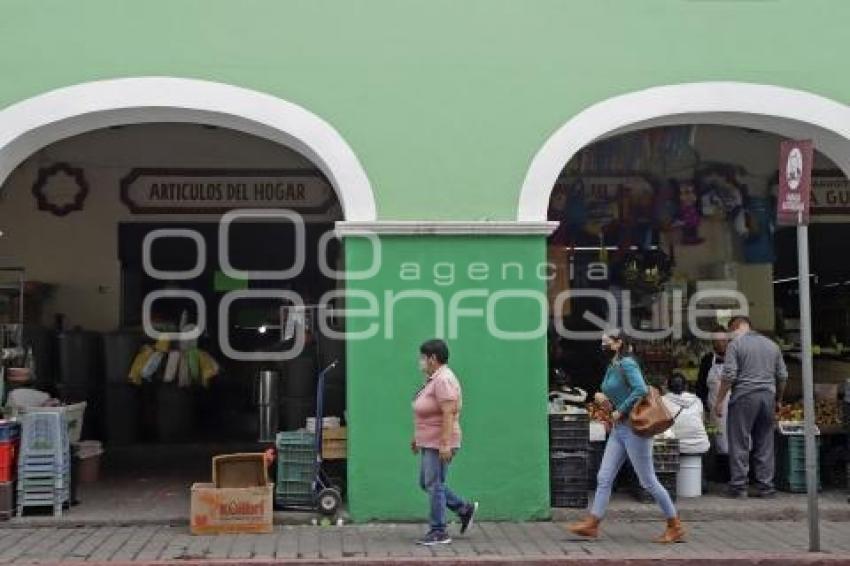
(649, 416)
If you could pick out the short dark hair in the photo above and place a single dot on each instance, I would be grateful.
(677, 383)
(737, 320)
(437, 348)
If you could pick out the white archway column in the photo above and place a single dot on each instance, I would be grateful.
(29, 125)
(783, 111)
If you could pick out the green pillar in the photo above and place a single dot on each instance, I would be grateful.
(504, 459)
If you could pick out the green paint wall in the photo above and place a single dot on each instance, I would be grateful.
(443, 101)
(504, 459)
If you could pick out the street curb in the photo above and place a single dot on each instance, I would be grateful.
(707, 560)
(559, 515)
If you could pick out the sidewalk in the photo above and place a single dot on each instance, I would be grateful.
(713, 542)
(133, 500)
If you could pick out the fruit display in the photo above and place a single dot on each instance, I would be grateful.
(827, 413)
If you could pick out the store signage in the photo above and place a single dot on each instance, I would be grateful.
(215, 191)
(830, 195)
(795, 186)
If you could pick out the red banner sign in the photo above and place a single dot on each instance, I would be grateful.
(795, 182)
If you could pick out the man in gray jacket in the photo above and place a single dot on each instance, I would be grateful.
(755, 373)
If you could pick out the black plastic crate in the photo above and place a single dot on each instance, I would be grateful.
(667, 479)
(594, 461)
(573, 464)
(569, 423)
(568, 445)
(666, 463)
(571, 499)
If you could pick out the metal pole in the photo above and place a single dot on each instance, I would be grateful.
(808, 387)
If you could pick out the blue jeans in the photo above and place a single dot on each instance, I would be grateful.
(624, 443)
(432, 479)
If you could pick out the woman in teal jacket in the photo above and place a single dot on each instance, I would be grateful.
(622, 387)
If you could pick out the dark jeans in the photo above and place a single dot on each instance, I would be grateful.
(432, 479)
(752, 422)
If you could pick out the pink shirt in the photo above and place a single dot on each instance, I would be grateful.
(428, 416)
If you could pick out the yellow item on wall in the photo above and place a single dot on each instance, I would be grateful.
(135, 375)
(209, 367)
(161, 345)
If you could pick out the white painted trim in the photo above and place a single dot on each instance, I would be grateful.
(446, 228)
(788, 112)
(29, 125)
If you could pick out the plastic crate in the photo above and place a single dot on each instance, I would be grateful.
(293, 493)
(666, 463)
(295, 438)
(667, 479)
(791, 463)
(568, 420)
(569, 445)
(571, 499)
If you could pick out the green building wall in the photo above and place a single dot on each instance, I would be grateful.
(443, 102)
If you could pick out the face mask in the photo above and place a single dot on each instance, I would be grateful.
(423, 365)
(607, 351)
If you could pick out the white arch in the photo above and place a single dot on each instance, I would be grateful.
(787, 112)
(29, 125)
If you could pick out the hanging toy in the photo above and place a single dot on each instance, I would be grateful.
(688, 217)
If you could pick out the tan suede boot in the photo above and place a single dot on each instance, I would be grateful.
(675, 532)
(587, 527)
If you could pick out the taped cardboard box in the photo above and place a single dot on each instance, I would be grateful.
(231, 510)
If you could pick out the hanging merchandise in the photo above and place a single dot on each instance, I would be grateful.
(172, 364)
(209, 368)
(138, 365)
(664, 206)
(152, 365)
(722, 194)
(183, 377)
(193, 359)
(636, 226)
(758, 244)
(688, 216)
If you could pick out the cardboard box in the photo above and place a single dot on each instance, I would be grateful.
(231, 510)
(335, 443)
(240, 470)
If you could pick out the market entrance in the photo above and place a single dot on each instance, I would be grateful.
(672, 211)
(131, 238)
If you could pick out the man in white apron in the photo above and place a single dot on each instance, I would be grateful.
(715, 376)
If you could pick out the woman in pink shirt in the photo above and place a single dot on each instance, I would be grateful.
(436, 415)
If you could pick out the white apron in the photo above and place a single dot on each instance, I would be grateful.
(715, 375)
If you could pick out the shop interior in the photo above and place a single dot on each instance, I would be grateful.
(75, 290)
(685, 209)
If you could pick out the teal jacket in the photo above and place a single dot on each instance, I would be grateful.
(624, 384)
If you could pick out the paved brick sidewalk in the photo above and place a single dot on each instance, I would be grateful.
(392, 543)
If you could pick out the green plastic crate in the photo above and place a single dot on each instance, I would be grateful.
(790, 473)
(294, 439)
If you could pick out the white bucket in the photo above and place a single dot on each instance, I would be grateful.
(689, 478)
